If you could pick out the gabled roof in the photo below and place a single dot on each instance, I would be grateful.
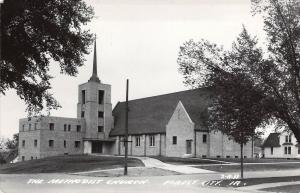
(272, 140)
(151, 115)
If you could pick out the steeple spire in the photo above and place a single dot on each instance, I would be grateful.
(94, 76)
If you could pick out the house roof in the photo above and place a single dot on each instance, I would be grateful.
(152, 114)
(272, 140)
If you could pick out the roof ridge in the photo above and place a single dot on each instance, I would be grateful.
(160, 95)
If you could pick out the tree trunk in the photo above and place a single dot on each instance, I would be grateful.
(242, 161)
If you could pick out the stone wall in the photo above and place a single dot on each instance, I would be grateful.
(40, 131)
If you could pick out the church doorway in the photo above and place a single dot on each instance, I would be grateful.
(188, 146)
(96, 146)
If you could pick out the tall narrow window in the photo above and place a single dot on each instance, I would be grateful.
(65, 127)
(35, 126)
(152, 140)
(271, 150)
(23, 158)
(82, 114)
(69, 127)
(23, 143)
(285, 150)
(65, 144)
(100, 114)
(83, 96)
(289, 150)
(298, 149)
(51, 126)
(35, 143)
(78, 128)
(174, 140)
(29, 127)
(100, 96)
(204, 139)
(137, 141)
(23, 127)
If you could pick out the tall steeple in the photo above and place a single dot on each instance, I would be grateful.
(94, 77)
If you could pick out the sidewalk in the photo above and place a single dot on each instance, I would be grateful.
(154, 163)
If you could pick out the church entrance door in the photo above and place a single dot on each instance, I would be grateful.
(96, 147)
(188, 146)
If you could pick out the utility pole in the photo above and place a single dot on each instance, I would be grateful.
(126, 129)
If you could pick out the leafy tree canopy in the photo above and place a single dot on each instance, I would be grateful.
(12, 143)
(252, 88)
(34, 33)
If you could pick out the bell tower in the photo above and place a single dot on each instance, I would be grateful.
(94, 106)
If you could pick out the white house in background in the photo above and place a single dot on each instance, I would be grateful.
(281, 145)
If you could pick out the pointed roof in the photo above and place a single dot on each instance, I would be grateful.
(94, 77)
(272, 140)
(152, 114)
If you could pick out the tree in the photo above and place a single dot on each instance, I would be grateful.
(12, 144)
(35, 33)
(262, 87)
(236, 108)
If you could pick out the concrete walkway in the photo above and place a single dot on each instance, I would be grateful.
(155, 163)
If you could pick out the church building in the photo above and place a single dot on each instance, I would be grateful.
(165, 125)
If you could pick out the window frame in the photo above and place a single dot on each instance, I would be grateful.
(138, 141)
(100, 114)
(51, 143)
(51, 126)
(204, 139)
(78, 128)
(152, 140)
(272, 150)
(23, 143)
(174, 140)
(100, 130)
(83, 96)
(77, 144)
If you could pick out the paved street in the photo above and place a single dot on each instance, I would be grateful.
(54, 183)
(178, 183)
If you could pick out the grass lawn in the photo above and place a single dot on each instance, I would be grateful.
(252, 167)
(74, 163)
(287, 189)
(181, 161)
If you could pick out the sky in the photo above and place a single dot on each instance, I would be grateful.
(140, 40)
